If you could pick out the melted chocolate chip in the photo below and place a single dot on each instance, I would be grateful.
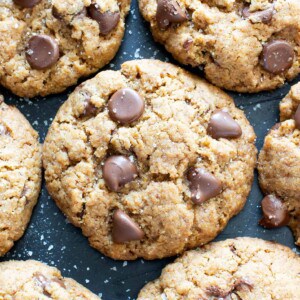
(118, 170)
(222, 125)
(277, 56)
(59, 282)
(203, 185)
(187, 45)
(107, 21)
(297, 118)
(126, 106)
(125, 229)
(27, 3)
(263, 16)
(275, 214)
(169, 11)
(42, 52)
(89, 107)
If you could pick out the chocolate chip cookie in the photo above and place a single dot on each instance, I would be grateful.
(32, 280)
(235, 269)
(149, 161)
(20, 174)
(46, 46)
(279, 168)
(242, 45)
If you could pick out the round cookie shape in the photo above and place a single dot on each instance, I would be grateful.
(159, 185)
(234, 269)
(33, 280)
(279, 168)
(241, 45)
(20, 174)
(48, 45)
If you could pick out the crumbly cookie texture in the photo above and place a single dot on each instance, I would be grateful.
(279, 166)
(20, 174)
(242, 268)
(49, 46)
(244, 46)
(32, 280)
(149, 181)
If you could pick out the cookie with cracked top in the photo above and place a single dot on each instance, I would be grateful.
(234, 269)
(279, 168)
(242, 45)
(32, 280)
(149, 161)
(20, 174)
(46, 46)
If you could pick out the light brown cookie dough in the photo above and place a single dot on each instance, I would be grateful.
(235, 269)
(48, 46)
(32, 280)
(279, 168)
(244, 46)
(20, 174)
(149, 161)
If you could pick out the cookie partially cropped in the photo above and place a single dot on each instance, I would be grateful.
(149, 161)
(244, 45)
(32, 280)
(20, 174)
(46, 46)
(235, 269)
(279, 168)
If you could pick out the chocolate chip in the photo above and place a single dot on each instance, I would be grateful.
(117, 171)
(203, 185)
(107, 21)
(297, 118)
(125, 229)
(89, 108)
(27, 3)
(188, 44)
(275, 213)
(126, 106)
(42, 52)
(56, 14)
(263, 16)
(222, 125)
(277, 56)
(169, 11)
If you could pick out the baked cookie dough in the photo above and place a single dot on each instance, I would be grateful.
(279, 168)
(149, 161)
(46, 46)
(32, 280)
(235, 269)
(244, 46)
(20, 174)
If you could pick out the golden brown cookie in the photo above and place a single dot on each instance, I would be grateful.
(46, 46)
(20, 174)
(279, 168)
(149, 161)
(242, 45)
(235, 269)
(32, 280)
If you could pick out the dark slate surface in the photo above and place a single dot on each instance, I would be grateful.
(51, 239)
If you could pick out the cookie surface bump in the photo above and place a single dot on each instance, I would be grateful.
(20, 174)
(97, 166)
(32, 280)
(279, 167)
(242, 45)
(234, 269)
(46, 46)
